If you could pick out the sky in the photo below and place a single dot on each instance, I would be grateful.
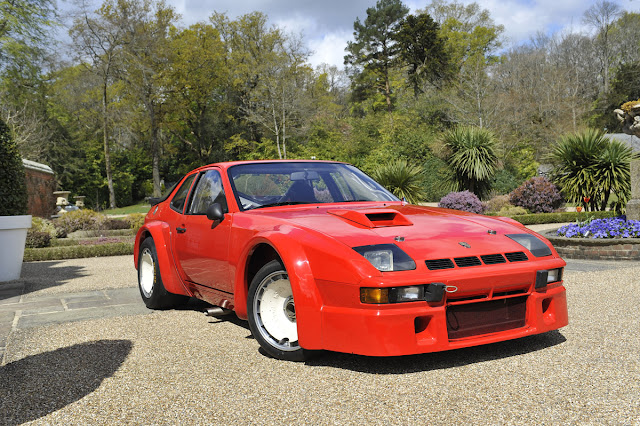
(327, 25)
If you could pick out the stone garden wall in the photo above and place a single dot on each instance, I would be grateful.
(597, 249)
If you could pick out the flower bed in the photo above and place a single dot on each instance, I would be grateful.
(616, 227)
(598, 239)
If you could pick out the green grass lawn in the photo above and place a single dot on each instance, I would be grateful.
(136, 208)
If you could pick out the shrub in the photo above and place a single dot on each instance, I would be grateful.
(80, 220)
(537, 195)
(498, 203)
(37, 239)
(512, 211)
(402, 179)
(13, 188)
(111, 224)
(465, 201)
(77, 251)
(135, 220)
(39, 224)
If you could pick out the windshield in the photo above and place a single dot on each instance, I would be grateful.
(275, 184)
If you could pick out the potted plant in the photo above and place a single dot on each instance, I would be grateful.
(14, 221)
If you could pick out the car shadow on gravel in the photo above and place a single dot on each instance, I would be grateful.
(437, 360)
(37, 385)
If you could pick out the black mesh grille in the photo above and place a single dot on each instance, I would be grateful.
(517, 256)
(492, 259)
(464, 262)
(439, 264)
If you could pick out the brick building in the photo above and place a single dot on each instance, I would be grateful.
(41, 183)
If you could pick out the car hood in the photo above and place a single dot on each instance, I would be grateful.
(422, 232)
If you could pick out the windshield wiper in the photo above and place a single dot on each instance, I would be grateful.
(282, 203)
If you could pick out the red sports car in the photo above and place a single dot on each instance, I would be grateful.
(316, 255)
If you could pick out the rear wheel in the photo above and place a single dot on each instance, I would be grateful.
(153, 293)
(272, 313)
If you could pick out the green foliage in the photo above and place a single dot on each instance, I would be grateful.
(504, 182)
(135, 220)
(472, 157)
(36, 239)
(422, 50)
(542, 218)
(13, 189)
(77, 251)
(39, 224)
(402, 179)
(373, 52)
(588, 164)
(498, 203)
(80, 220)
(512, 211)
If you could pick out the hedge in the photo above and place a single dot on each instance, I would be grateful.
(542, 218)
(77, 251)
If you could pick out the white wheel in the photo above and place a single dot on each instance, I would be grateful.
(147, 272)
(275, 312)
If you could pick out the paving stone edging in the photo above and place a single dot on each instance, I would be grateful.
(596, 248)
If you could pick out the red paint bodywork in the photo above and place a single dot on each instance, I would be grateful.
(315, 243)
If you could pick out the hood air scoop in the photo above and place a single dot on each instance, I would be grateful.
(374, 218)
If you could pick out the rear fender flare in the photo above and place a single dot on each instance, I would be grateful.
(161, 234)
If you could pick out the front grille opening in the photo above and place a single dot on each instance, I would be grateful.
(518, 256)
(421, 324)
(493, 259)
(494, 316)
(465, 262)
(466, 298)
(439, 264)
(510, 293)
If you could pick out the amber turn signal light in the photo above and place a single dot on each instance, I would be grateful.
(374, 295)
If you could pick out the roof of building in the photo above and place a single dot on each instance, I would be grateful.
(28, 164)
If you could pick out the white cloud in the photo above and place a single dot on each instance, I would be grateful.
(330, 48)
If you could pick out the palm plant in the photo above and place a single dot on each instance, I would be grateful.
(472, 157)
(402, 179)
(589, 168)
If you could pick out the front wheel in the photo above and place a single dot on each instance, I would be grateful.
(272, 313)
(153, 293)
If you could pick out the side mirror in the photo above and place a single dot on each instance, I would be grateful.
(214, 212)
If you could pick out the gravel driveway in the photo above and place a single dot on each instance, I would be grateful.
(182, 367)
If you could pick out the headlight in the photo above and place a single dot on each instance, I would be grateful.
(531, 243)
(543, 278)
(387, 257)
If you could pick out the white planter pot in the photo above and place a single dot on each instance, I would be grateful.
(13, 234)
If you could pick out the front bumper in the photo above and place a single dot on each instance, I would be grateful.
(422, 327)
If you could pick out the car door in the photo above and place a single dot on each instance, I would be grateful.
(201, 245)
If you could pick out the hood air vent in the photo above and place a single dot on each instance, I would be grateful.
(436, 264)
(465, 262)
(373, 218)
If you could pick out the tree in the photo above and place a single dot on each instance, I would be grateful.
(13, 189)
(98, 39)
(472, 39)
(601, 17)
(471, 155)
(374, 52)
(145, 59)
(422, 50)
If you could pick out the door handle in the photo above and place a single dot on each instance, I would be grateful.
(181, 230)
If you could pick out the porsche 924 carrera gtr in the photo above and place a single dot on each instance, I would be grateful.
(318, 256)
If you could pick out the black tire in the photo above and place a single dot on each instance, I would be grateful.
(153, 293)
(274, 327)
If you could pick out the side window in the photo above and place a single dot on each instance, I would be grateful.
(208, 191)
(177, 203)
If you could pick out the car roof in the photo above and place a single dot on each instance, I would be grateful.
(226, 165)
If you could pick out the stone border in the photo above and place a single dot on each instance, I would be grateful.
(595, 248)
